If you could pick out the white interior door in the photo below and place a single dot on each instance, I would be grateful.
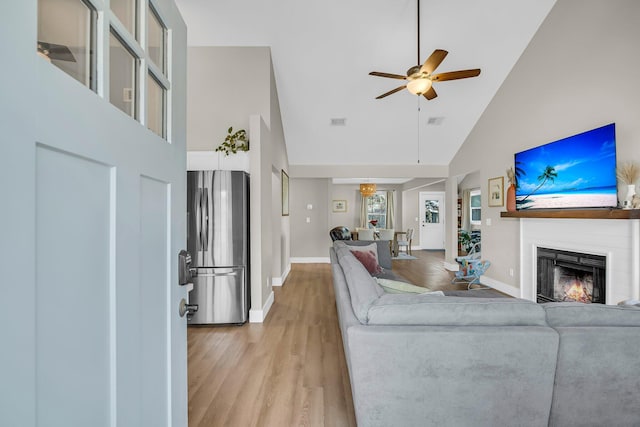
(92, 219)
(432, 220)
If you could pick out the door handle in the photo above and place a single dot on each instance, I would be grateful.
(187, 308)
(184, 272)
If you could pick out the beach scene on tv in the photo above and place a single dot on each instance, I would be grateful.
(574, 172)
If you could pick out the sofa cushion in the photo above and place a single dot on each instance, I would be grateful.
(400, 287)
(577, 314)
(384, 254)
(368, 256)
(363, 289)
(433, 310)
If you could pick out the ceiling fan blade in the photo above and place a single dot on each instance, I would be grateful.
(430, 94)
(433, 61)
(56, 51)
(391, 76)
(454, 75)
(391, 92)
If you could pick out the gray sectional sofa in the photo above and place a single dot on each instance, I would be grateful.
(433, 360)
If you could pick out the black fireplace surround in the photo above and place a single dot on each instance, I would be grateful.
(557, 268)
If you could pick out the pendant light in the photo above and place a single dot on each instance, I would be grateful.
(367, 189)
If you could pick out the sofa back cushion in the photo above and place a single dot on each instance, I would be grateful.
(363, 288)
(561, 314)
(434, 310)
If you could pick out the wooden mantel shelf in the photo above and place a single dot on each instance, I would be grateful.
(575, 213)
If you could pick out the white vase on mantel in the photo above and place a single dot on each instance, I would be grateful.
(628, 201)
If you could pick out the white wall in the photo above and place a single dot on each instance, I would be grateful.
(579, 72)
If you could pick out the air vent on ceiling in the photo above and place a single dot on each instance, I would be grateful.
(339, 122)
(435, 121)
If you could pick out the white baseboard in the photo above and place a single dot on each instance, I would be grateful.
(310, 260)
(501, 286)
(278, 281)
(258, 316)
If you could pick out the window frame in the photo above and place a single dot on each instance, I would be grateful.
(382, 194)
(473, 193)
(104, 23)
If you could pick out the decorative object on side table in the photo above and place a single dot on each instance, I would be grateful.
(339, 205)
(373, 223)
(511, 191)
(628, 174)
(234, 142)
(496, 191)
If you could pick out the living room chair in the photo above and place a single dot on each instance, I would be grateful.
(405, 242)
(340, 233)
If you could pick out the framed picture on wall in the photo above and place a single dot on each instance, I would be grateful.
(339, 205)
(285, 194)
(496, 191)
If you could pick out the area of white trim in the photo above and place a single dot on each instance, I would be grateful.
(501, 286)
(310, 260)
(258, 316)
(278, 281)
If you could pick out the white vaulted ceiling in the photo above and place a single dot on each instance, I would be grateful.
(323, 51)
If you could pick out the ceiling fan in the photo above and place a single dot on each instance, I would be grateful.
(421, 78)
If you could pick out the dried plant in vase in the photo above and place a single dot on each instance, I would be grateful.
(511, 191)
(628, 173)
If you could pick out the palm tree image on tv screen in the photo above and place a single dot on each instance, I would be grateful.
(574, 172)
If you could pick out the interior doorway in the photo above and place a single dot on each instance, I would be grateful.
(432, 220)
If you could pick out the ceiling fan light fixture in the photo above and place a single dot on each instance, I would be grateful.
(419, 85)
(367, 189)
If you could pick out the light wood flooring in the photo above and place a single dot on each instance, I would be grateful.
(289, 370)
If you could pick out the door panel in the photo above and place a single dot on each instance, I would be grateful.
(432, 220)
(73, 292)
(154, 282)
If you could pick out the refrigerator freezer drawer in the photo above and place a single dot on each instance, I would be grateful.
(221, 296)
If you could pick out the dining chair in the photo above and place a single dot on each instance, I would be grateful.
(365, 234)
(405, 242)
(387, 234)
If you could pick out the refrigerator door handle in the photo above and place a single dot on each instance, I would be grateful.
(206, 219)
(231, 273)
(198, 209)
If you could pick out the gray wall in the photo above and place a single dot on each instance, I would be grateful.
(309, 239)
(579, 72)
(220, 94)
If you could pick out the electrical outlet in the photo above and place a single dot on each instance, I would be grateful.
(511, 272)
(308, 220)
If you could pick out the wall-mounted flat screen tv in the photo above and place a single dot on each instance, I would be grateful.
(574, 172)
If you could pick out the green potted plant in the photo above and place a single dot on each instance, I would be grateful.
(234, 142)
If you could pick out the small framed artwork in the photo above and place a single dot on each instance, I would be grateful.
(339, 205)
(496, 191)
(285, 194)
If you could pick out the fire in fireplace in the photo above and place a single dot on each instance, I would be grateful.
(571, 276)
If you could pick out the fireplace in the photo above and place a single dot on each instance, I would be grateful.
(570, 276)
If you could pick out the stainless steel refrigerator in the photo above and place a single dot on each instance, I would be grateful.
(218, 241)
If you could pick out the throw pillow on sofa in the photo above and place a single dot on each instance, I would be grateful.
(368, 256)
